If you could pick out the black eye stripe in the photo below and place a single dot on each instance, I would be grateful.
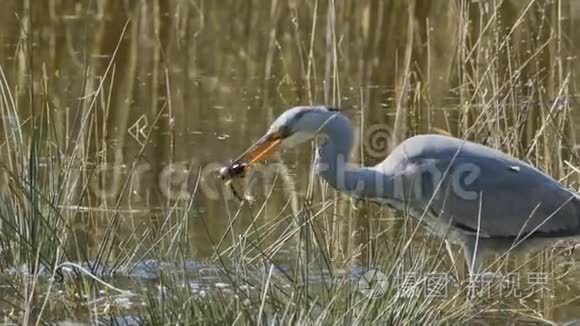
(286, 131)
(298, 116)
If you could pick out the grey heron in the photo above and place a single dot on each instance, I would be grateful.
(470, 194)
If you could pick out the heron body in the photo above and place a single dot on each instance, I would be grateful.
(474, 195)
(470, 194)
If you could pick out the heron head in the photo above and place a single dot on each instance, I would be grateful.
(295, 126)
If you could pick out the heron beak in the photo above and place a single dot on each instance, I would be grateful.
(259, 152)
(263, 149)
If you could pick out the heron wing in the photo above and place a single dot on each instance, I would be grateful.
(471, 186)
(506, 200)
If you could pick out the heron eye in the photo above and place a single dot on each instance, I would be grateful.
(333, 109)
(284, 131)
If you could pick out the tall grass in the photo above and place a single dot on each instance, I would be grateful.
(80, 74)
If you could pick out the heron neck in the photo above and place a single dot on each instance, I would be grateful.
(332, 165)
